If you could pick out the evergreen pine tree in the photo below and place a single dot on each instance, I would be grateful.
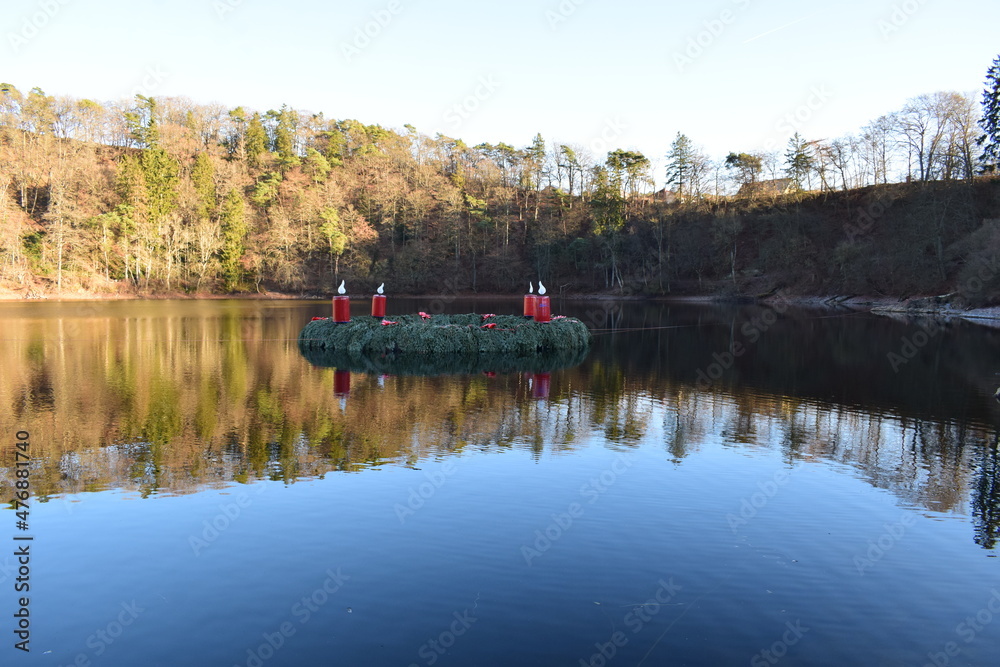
(990, 122)
(534, 158)
(747, 167)
(236, 142)
(162, 174)
(130, 183)
(336, 147)
(283, 143)
(141, 122)
(569, 161)
(203, 180)
(680, 163)
(607, 202)
(256, 140)
(234, 231)
(317, 166)
(798, 161)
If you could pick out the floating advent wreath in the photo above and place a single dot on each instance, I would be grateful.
(430, 344)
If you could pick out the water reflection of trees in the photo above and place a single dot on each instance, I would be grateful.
(173, 402)
(986, 497)
(824, 390)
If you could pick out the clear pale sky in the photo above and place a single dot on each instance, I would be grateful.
(595, 73)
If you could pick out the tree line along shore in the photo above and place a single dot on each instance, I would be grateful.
(161, 196)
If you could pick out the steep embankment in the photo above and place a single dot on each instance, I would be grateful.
(890, 242)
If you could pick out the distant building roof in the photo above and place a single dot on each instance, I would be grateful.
(665, 195)
(776, 186)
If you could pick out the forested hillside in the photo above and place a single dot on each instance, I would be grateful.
(166, 196)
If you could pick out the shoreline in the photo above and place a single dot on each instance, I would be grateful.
(909, 308)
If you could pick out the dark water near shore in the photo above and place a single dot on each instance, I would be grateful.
(711, 486)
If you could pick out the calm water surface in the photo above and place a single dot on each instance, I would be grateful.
(711, 486)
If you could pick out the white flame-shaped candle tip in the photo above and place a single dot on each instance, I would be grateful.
(381, 288)
(342, 289)
(531, 288)
(541, 287)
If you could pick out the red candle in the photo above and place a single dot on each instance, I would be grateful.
(542, 310)
(341, 305)
(378, 305)
(529, 305)
(540, 385)
(341, 309)
(341, 382)
(378, 302)
(529, 301)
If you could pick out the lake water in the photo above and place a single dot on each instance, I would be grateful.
(711, 486)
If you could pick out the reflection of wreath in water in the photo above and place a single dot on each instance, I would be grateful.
(445, 344)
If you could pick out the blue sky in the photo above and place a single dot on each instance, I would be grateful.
(595, 73)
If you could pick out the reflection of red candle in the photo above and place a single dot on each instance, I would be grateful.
(542, 309)
(341, 306)
(540, 385)
(341, 382)
(529, 302)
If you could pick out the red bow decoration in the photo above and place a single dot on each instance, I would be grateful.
(424, 315)
(491, 325)
(486, 317)
(386, 323)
